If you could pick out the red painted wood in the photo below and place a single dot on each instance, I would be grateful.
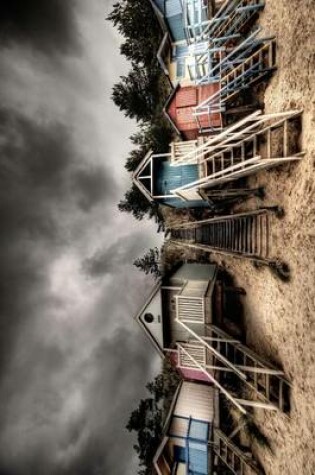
(186, 96)
(189, 374)
(182, 106)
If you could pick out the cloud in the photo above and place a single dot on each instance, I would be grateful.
(104, 446)
(112, 258)
(73, 363)
(46, 189)
(72, 366)
(49, 26)
(93, 185)
(65, 414)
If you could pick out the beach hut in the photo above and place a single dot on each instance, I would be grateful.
(156, 178)
(188, 431)
(199, 172)
(176, 20)
(192, 442)
(203, 108)
(173, 50)
(181, 106)
(179, 317)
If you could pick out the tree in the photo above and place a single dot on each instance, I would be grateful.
(149, 262)
(134, 158)
(155, 136)
(135, 203)
(137, 23)
(146, 421)
(141, 95)
(136, 94)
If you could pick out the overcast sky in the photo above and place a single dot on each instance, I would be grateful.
(73, 364)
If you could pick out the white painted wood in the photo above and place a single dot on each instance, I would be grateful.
(195, 401)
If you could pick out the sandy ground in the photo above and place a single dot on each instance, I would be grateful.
(280, 317)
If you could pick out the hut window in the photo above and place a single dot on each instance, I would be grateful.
(180, 68)
(148, 317)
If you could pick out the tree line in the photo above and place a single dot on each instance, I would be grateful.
(141, 94)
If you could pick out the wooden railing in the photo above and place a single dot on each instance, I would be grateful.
(190, 303)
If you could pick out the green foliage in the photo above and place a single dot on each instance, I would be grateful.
(164, 385)
(136, 22)
(135, 203)
(149, 262)
(136, 93)
(146, 421)
(155, 136)
(134, 158)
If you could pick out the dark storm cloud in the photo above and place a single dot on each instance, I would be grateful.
(46, 191)
(40, 186)
(107, 260)
(71, 366)
(126, 363)
(89, 440)
(34, 159)
(92, 184)
(46, 25)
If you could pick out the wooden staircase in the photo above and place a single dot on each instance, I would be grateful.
(257, 142)
(218, 355)
(265, 382)
(251, 70)
(246, 235)
(232, 20)
(232, 456)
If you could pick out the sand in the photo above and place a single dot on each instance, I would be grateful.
(280, 317)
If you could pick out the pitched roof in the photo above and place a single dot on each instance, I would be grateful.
(155, 290)
(137, 172)
(163, 48)
(166, 106)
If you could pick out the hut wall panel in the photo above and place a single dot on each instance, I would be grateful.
(196, 401)
(194, 375)
(186, 96)
(195, 271)
(179, 427)
(159, 4)
(181, 469)
(176, 27)
(173, 7)
(181, 109)
(172, 110)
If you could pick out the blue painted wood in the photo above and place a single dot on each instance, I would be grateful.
(176, 27)
(168, 177)
(179, 454)
(172, 8)
(181, 51)
(199, 430)
(197, 454)
(181, 204)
